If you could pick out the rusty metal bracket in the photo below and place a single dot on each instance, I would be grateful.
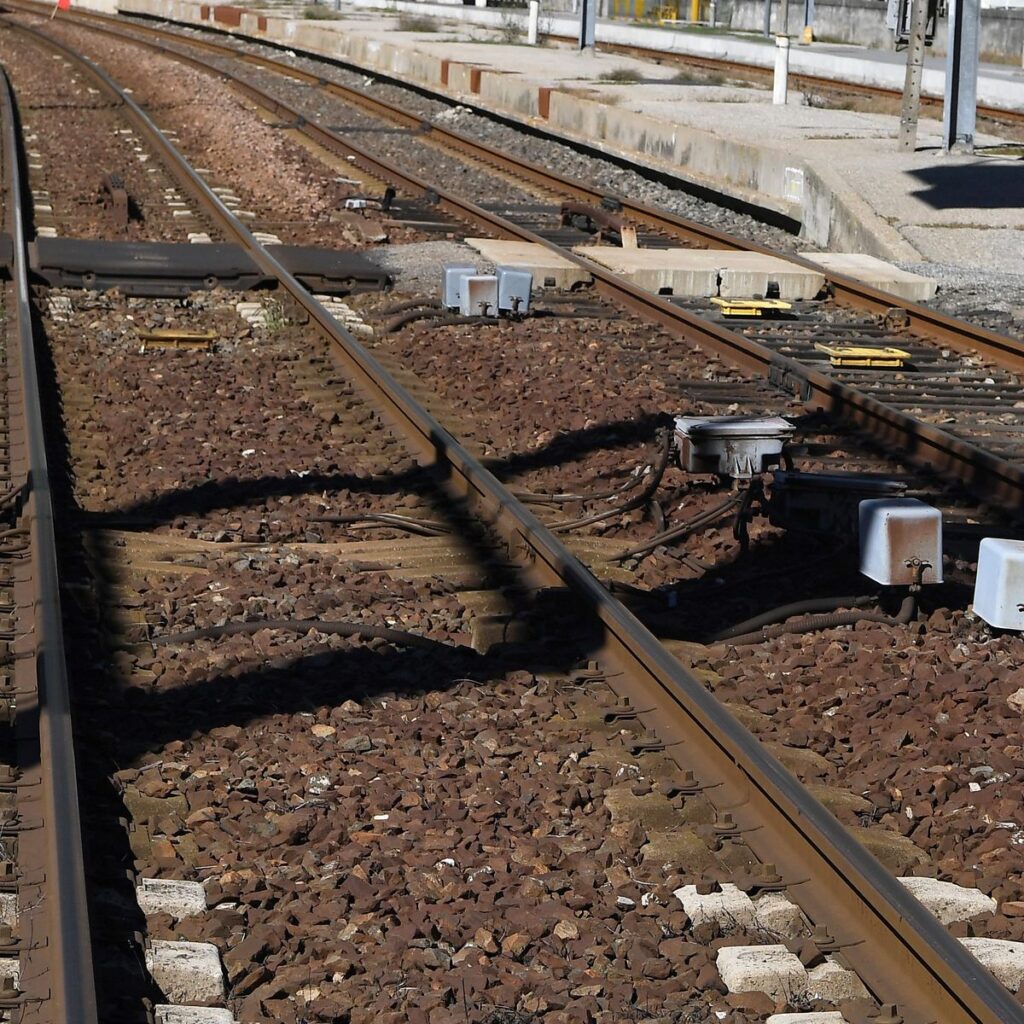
(115, 199)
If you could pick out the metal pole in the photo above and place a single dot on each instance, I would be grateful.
(781, 80)
(767, 17)
(784, 17)
(912, 82)
(531, 24)
(960, 108)
(588, 24)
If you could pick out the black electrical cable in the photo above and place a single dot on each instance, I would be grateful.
(814, 623)
(787, 611)
(364, 631)
(635, 502)
(437, 315)
(680, 530)
(423, 527)
(541, 498)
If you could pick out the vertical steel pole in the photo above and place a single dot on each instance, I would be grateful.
(912, 82)
(588, 24)
(767, 17)
(784, 17)
(960, 108)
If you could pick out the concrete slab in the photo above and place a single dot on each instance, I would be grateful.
(748, 275)
(947, 901)
(779, 915)
(834, 983)
(1003, 958)
(9, 908)
(769, 969)
(877, 273)
(691, 273)
(192, 1015)
(549, 269)
(731, 909)
(170, 896)
(187, 972)
(814, 1017)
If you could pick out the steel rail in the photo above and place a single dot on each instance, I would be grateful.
(57, 978)
(1007, 352)
(900, 950)
(990, 477)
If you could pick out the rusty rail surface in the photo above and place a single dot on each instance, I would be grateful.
(899, 949)
(56, 973)
(988, 476)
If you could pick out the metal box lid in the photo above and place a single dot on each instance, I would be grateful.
(999, 585)
(701, 427)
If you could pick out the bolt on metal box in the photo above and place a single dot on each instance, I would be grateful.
(731, 446)
(479, 295)
(999, 585)
(514, 288)
(900, 541)
(451, 283)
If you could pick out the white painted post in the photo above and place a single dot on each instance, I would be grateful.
(531, 26)
(781, 70)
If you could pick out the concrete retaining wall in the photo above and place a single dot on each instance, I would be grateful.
(863, 22)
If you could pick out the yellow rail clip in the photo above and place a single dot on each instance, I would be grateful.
(750, 307)
(173, 337)
(882, 358)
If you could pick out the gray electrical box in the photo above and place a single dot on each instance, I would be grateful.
(897, 19)
(451, 283)
(514, 287)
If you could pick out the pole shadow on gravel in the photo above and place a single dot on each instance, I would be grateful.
(234, 492)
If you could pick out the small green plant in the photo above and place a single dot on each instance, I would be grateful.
(320, 12)
(621, 75)
(689, 78)
(273, 318)
(414, 23)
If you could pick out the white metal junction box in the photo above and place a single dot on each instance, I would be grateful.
(897, 535)
(732, 446)
(999, 585)
(479, 295)
(451, 283)
(514, 287)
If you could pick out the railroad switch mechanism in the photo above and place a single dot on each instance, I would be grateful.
(114, 197)
(864, 356)
(738, 447)
(999, 585)
(900, 542)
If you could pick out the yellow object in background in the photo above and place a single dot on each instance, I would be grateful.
(750, 307)
(883, 358)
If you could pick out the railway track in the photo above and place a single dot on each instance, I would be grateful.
(773, 834)
(45, 953)
(960, 452)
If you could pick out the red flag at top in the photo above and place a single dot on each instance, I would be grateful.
(62, 5)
